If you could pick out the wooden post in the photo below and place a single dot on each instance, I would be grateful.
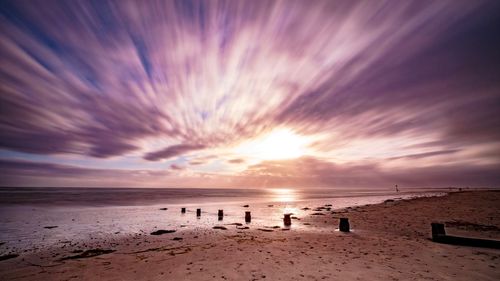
(198, 212)
(220, 214)
(248, 217)
(287, 220)
(438, 231)
(344, 225)
(183, 210)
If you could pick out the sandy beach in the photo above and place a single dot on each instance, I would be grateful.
(249, 140)
(389, 241)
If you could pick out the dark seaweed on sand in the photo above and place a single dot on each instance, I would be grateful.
(7, 257)
(219, 227)
(162, 231)
(88, 254)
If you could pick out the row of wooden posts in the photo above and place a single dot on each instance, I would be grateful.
(287, 220)
(438, 231)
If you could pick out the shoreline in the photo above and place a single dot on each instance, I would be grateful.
(385, 237)
(93, 197)
(63, 222)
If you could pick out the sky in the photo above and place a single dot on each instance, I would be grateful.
(250, 93)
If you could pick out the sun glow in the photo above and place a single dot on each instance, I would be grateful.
(278, 145)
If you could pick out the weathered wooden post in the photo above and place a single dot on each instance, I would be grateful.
(248, 217)
(344, 225)
(287, 221)
(183, 210)
(198, 212)
(438, 231)
(220, 214)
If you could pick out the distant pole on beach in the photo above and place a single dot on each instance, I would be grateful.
(248, 216)
(198, 212)
(287, 221)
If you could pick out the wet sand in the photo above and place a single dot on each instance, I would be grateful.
(389, 241)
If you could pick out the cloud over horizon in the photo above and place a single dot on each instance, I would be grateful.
(172, 88)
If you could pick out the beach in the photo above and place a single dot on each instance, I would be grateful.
(249, 140)
(388, 241)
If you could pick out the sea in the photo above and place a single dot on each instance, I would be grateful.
(46, 216)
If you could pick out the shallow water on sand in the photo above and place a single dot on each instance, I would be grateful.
(85, 214)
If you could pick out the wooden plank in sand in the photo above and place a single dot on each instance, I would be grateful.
(439, 236)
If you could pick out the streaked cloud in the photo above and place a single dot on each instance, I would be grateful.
(172, 151)
(236, 161)
(176, 167)
(28, 173)
(204, 87)
(312, 172)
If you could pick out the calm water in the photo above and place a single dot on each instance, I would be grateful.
(85, 213)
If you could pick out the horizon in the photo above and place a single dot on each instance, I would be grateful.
(366, 188)
(250, 94)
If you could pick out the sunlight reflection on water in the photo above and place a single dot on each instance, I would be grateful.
(283, 195)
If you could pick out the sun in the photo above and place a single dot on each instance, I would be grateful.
(279, 144)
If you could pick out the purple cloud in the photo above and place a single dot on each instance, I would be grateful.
(202, 160)
(425, 154)
(120, 79)
(311, 172)
(236, 161)
(172, 151)
(177, 167)
(23, 172)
